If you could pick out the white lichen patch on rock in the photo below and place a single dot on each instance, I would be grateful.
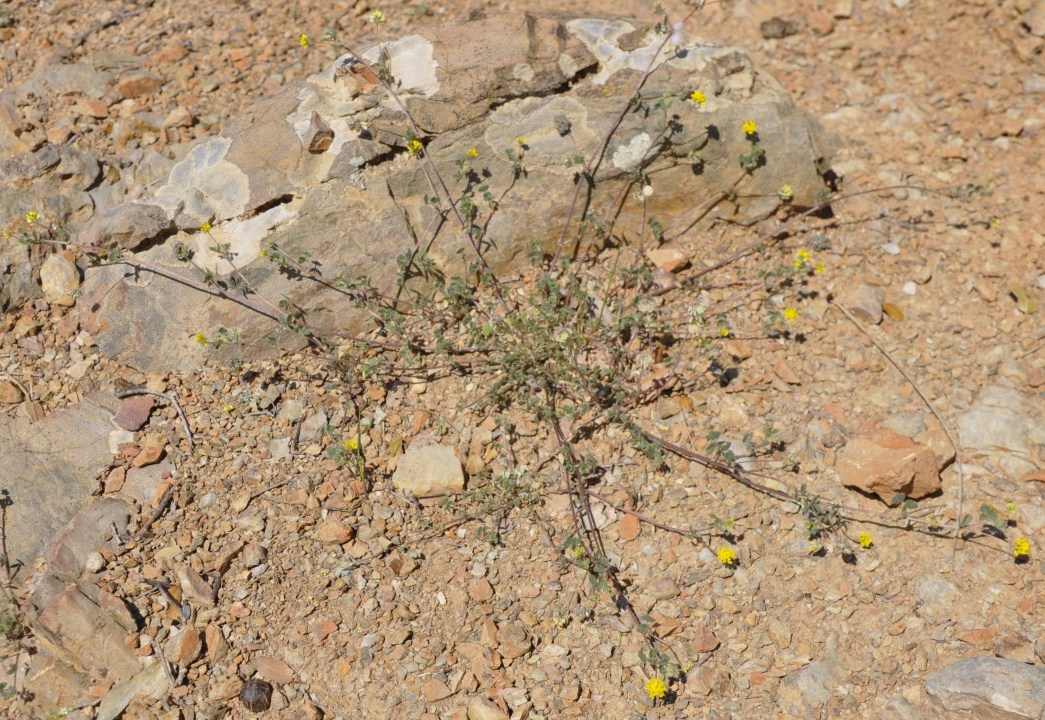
(630, 155)
(412, 63)
(243, 238)
(205, 187)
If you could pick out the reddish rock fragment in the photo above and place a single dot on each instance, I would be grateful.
(134, 412)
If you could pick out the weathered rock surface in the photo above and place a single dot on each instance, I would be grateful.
(50, 468)
(429, 470)
(990, 689)
(883, 463)
(1005, 424)
(353, 200)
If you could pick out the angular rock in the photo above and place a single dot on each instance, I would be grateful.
(49, 477)
(10, 393)
(127, 227)
(74, 628)
(134, 412)
(87, 533)
(429, 471)
(60, 279)
(807, 690)
(883, 463)
(990, 689)
(865, 303)
(480, 708)
(152, 683)
(274, 670)
(482, 85)
(334, 533)
(1006, 424)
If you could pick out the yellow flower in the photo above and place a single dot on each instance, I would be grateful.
(32, 217)
(7, 236)
(698, 98)
(1021, 549)
(205, 227)
(819, 270)
(790, 314)
(303, 40)
(786, 193)
(865, 540)
(263, 253)
(803, 255)
(201, 338)
(351, 445)
(750, 128)
(521, 140)
(472, 153)
(229, 408)
(723, 332)
(656, 688)
(414, 147)
(727, 557)
(377, 17)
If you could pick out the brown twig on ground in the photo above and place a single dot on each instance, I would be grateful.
(169, 398)
(939, 419)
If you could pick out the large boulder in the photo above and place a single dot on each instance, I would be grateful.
(323, 171)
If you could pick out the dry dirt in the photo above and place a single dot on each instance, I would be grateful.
(419, 612)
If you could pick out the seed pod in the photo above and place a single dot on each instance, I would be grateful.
(256, 695)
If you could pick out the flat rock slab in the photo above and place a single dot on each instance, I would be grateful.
(50, 469)
(990, 689)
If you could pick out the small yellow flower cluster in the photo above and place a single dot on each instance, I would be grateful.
(723, 332)
(727, 557)
(698, 98)
(201, 338)
(1021, 549)
(351, 445)
(750, 128)
(656, 688)
(229, 408)
(472, 153)
(819, 269)
(865, 540)
(377, 17)
(414, 147)
(205, 227)
(521, 140)
(32, 217)
(790, 314)
(303, 40)
(786, 193)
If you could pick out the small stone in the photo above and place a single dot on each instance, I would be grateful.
(178, 117)
(480, 590)
(149, 455)
(668, 259)
(274, 670)
(217, 645)
(704, 639)
(979, 636)
(428, 470)
(910, 288)
(629, 528)
(865, 303)
(480, 708)
(664, 589)
(783, 370)
(184, 646)
(138, 83)
(435, 690)
(990, 688)
(10, 393)
(884, 463)
(134, 412)
(256, 695)
(779, 633)
(60, 279)
(94, 562)
(332, 532)
(1016, 648)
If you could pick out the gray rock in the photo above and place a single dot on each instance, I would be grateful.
(126, 226)
(990, 688)
(900, 709)
(151, 683)
(428, 470)
(936, 599)
(808, 689)
(1004, 424)
(865, 303)
(312, 428)
(49, 476)
(59, 280)
(357, 205)
(87, 533)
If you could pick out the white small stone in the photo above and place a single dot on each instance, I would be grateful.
(891, 248)
(910, 288)
(94, 562)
